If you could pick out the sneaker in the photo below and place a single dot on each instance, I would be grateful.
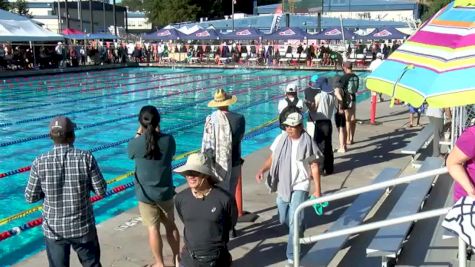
(341, 150)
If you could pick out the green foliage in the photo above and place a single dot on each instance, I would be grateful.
(21, 8)
(431, 7)
(133, 5)
(4, 5)
(163, 12)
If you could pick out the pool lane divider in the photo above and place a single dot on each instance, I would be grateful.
(161, 110)
(253, 132)
(58, 77)
(105, 95)
(82, 90)
(23, 92)
(65, 77)
(102, 147)
(129, 102)
(36, 222)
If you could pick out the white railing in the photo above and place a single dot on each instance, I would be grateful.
(371, 226)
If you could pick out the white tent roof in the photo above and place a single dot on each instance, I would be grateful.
(187, 30)
(14, 28)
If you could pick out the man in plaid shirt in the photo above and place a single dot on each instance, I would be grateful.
(64, 178)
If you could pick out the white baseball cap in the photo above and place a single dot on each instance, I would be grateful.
(293, 119)
(291, 88)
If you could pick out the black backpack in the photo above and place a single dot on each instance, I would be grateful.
(310, 94)
(289, 109)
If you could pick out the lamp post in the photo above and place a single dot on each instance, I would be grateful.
(59, 18)
(80, 14)
(232, 11)
(104, 14)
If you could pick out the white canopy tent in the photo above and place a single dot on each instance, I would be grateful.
(15, 28)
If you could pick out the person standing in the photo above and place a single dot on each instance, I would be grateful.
(294, 160)
(372, 66)
(153, 151)
(64, 178)
(436, 118)
(310, 92)
(349, 83)
(325, 108)
(208, 214)
(340, 119)
(291, 98)
(222, 136)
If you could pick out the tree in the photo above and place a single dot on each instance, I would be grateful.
(429, 8)
(21, 8)
(163, 12)
(4, 5)
(133, 5)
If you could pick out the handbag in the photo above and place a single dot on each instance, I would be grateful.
(460, 220)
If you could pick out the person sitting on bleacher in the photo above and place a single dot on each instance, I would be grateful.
(461, 164)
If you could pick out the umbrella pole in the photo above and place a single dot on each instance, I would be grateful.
(408, 67)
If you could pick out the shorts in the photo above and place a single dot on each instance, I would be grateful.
(153, 214)
(416, 110)
(340, 120)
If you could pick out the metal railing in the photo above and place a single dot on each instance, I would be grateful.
(370, 226)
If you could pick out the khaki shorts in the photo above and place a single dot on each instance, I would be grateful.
(153, 214)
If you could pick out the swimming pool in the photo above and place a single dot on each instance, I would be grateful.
(104, 105)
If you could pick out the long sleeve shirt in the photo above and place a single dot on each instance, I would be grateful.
(64, 178)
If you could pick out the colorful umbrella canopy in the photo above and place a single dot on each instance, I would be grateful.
(436, 64)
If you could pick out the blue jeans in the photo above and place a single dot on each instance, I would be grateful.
(286, 216)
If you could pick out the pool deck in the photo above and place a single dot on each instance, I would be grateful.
(124, 240)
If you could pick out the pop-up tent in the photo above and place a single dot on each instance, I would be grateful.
(293, 33)
(207, 34)
(385, 33)
(335, 34)
(69, 31)
(243, 34)
(14, 28)
(164, 35)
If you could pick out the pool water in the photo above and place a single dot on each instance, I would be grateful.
(104, 105)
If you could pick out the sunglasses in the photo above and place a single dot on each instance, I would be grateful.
(194, 174)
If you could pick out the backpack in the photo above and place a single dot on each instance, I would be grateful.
(352, 84)
(310, 94)
(289, 109)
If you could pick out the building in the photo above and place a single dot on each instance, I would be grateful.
(376, 10)
(45, 12)
(137, 22)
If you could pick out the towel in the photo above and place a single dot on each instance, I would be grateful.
(217, 144)
(461, 220)
(280, 177)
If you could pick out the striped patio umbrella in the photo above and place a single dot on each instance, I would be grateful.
(436, 64)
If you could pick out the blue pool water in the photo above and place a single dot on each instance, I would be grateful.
(104, 105)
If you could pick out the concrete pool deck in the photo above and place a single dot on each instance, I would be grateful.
(124, 240)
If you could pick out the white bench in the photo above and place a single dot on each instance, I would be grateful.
(421, 140)
(388, 241)
(324, 251)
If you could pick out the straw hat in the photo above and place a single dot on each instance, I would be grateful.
(222, 99)
(197, 162)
